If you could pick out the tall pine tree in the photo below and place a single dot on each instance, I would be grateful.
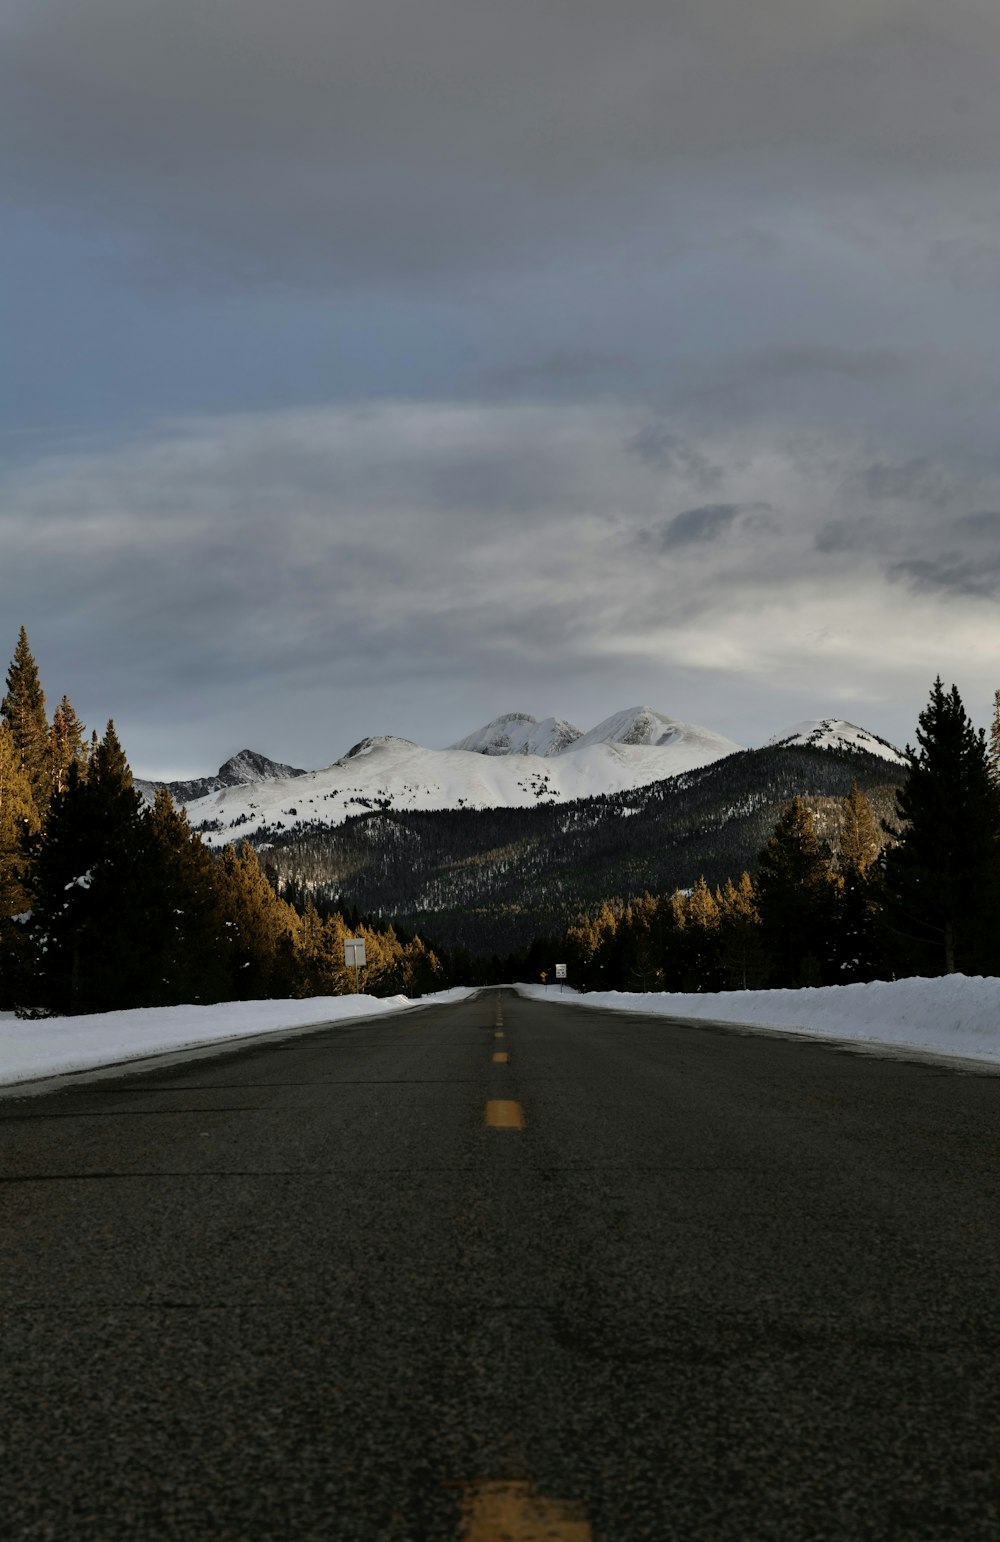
(92, 921)
(23, 709)
(795, 899)
(857, 935)
(67, 743)
(18, 822)
(943, 877)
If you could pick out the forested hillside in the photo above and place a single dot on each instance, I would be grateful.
(491, 880)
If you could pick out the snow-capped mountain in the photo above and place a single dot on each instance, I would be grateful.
(641, 725)
(490, 769)
(835, 733)
(240, 770)
(516, 733)
(515, 761)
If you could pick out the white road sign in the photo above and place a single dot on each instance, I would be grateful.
(354, 952)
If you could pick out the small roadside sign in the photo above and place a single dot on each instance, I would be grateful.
(560, 971)
(354, 957)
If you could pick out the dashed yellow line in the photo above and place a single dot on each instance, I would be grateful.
(499, 1034)
(513, 1512)
(504, 1114)
(500, 1057)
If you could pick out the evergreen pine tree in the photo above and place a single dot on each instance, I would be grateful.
(795, 899)
(640, 945)
(859, 840)
(18, 820)
(701, 940)
(184, 914)
(18, 823)
(943, 878)
(995, 739)
(857, 935)
(92, 922)
(741, 960)
(66, 744)
(23, 708)
(258, 929)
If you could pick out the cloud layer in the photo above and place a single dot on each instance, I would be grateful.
(324, 574)
(382, 366)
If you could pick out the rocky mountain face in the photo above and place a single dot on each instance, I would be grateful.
(240, 770)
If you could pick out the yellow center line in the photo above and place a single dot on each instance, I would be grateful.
(500, 1057)
(513, 1512)
(504, 1114)
(499, 1034)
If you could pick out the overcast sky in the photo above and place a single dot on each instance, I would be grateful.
(379, 366)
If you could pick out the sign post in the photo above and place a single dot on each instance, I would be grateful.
(354, 956)
(560, 975)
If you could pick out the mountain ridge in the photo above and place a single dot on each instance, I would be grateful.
(494, 879)
(633, 748)
(243, 769)
(514, 761)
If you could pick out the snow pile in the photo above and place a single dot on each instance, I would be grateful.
(53, 1045)
(957, 1015)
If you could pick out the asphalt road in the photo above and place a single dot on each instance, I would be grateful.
(717, 1286)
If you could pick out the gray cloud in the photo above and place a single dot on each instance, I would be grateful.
(949, 573)
(658, 447)
(920, 480)
(706, 523)
(846, 535)
(300, 579)
(376, 136)
(564, 370)
(983, 522)
(549, 270)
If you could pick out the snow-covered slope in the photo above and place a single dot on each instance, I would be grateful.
(513, 762)
(386, 772)
(836, 733)
(641, 725)
(516, 733)
(240, 770)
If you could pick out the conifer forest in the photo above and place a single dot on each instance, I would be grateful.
(788, 866)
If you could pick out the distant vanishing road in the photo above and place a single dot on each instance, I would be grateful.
(694, 1284)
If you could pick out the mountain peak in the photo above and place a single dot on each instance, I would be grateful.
(518, 733)
(836, 733)
(644, 726)
(240, 770)
(252, 766)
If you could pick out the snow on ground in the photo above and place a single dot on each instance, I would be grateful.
(956, 1015)
(53, 1045)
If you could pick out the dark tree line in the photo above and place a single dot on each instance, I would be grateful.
(107, 902)
(920, 895)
